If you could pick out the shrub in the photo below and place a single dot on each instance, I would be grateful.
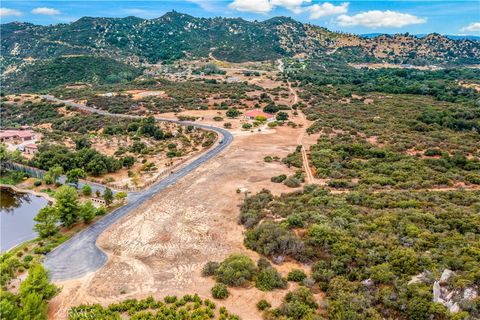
(37, 183)
(217, 118)
(268, 159)
(86, 190)
(236, 270)
(292, 182)
(295, 220)
(282, 116)
(232, 113)
(268, 279)
(246, 126)
(298, 304)
(209, 268)
(220, 291)
(170, 299)
(271, 239)
(271, 108)
(433, 152)
(340, 184)
(227, 125)
(473, 178)
(279, 178)
(296, 275)
(263, 305)
(263, 263)
(48, 179)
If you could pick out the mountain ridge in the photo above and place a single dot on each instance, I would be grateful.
(176, 35)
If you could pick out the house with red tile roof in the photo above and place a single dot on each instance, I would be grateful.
(253, 114)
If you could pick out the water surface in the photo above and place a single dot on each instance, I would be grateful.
(17, 211)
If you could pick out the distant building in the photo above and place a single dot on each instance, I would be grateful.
(253, 114)
(30, 148)
(16, 135)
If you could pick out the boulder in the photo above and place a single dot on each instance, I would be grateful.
(368, 282)
(446, 274)
(469, 294)
(437, 293)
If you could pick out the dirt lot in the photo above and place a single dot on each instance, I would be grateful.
(160, 248)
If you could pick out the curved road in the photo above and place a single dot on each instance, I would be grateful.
(80, 255)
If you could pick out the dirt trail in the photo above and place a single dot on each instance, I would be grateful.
(306, 166)
(161, 247)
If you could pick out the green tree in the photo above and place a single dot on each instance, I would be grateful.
(55, 172)
(46, 219)
(9, 309)
(35, 292)
(67, 205)
(7, 156)
(97, 166)
(282, 116)
(108, 196)
(34, 307)
(232, 113)
(74, 175)
(37, 282)
(121, 196)
(271, 108)
(87, 190)
(128, 161)
(87, 212)
(48, 178)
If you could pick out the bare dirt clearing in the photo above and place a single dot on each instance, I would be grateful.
(161, 247)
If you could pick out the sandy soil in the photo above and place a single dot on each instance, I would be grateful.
(160, 248)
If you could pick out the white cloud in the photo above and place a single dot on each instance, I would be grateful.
(472, 27)
(327, 9)
(296, 6)
(255, 6)
(4, 12)
(292, 5)
(377, 19)
(46, 11)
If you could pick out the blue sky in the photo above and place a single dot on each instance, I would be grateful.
(445, 17)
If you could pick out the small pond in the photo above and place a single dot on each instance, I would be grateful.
(17, 211)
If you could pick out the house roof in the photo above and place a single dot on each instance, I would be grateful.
(31, 146)
(16, 133)
(256, 113)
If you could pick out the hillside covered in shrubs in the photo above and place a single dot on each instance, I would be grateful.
(376, 255)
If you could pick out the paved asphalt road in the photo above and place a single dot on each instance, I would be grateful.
(80, 255)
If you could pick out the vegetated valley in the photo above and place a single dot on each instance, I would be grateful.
(350, 190)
